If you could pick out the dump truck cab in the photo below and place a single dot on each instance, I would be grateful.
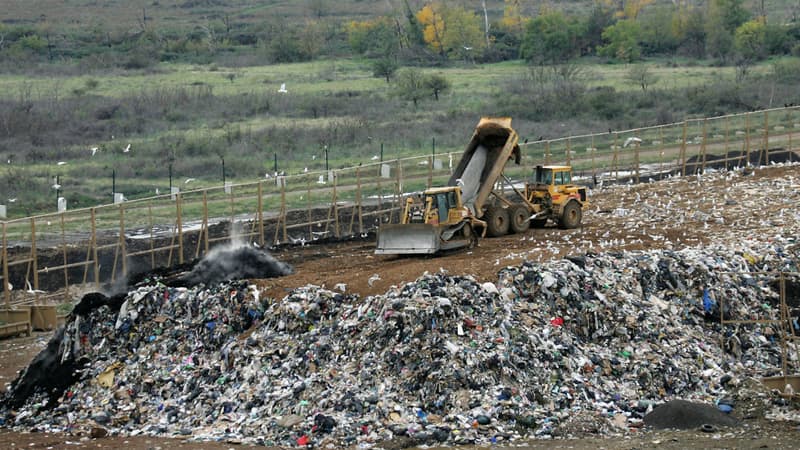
(553, 195)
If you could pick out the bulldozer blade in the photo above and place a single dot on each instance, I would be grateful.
(408, 239)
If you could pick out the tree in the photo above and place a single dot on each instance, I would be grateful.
(777, 40)
(376, 37)
(384, 68)
(659, 34)
(749, 39)
(591, 29)
(732, 13)
(689, 25)
(410, 85)
(641, 75)
(722, 19)
(311, 39)
(512, 20)
(414, 35)
(450, 30)
(463, 34)
(549, 39)
(632, 8)
(430, 17)
(437, 84)
(623, 41)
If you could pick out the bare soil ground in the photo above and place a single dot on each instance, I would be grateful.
(690, 212)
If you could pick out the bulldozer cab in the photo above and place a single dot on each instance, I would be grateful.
(438, 206)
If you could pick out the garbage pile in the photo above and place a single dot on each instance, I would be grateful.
(588, 344)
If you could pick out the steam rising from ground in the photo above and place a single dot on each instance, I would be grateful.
(236, 261)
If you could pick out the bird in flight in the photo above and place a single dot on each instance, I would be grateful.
(127, 149)
(94, 150)
(283, 88)
(631, 139)
(188, 180)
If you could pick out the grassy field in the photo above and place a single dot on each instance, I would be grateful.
(476, 90)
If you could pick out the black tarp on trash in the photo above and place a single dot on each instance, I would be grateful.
(550, 349)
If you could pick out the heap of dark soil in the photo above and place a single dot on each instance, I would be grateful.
(682, 415)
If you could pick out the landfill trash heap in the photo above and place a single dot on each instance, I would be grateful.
(587, 344)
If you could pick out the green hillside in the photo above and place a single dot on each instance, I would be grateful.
(190, 84)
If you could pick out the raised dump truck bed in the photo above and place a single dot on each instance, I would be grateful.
(449, 217)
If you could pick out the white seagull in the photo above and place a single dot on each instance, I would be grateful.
(188, 180)
(94, 150)
(61, 163)
(631, 139)
(127, 149)
(283, 88)
(373, 279)
(56, 186)
(12, 200)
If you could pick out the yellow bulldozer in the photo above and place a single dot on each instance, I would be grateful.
(454, 216)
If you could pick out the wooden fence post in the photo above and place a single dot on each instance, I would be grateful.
(661, 149)
(703, 146)
(615, 159)
(283, 208)
(358, 201)
(747, 138)
(569, 149)
(398, 188)
(35, 256)
(94, 249)
(547, 153)
(727, 131)
(260, 216)
(766, 138)
(430, 171)
(152, 236)
(683, 150)
(594, 168)
(308, 208)
(6, 290)
(66, 260)
(122, 239)
(205, 223)
(178, 200)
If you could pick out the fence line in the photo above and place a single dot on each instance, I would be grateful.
(45, 255)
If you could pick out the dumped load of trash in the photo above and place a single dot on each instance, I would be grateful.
(588, 344)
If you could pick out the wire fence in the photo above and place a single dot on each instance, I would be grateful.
(46, 257)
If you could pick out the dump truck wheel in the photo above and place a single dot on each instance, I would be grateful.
(519, 218)
(571, 216)
(497, 221)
